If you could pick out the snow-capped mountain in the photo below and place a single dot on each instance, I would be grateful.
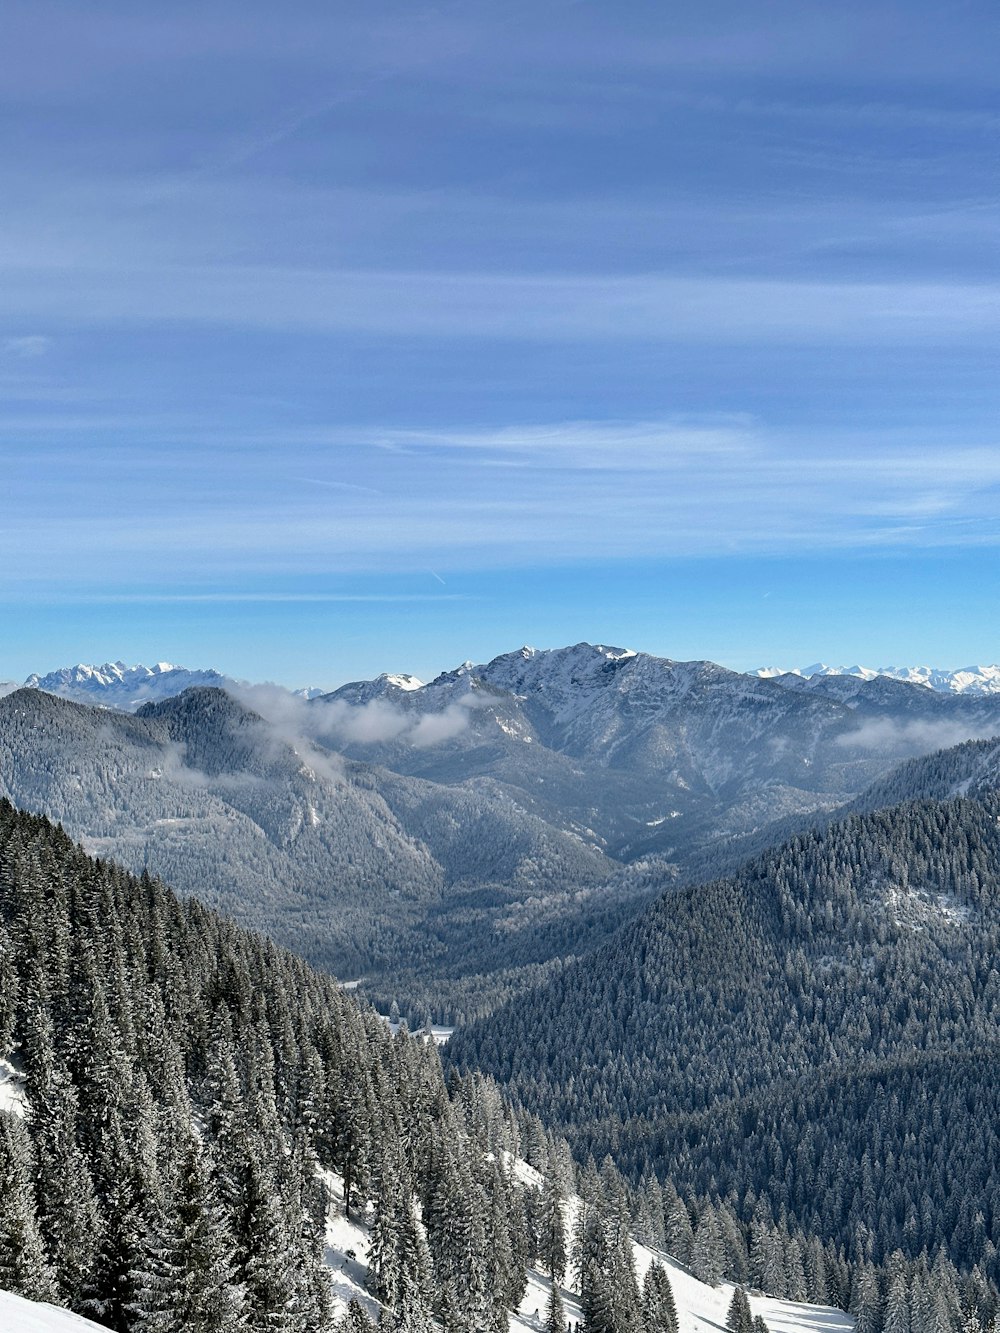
(964, 680)
(115, 685)
(644, 754)
(126, 688)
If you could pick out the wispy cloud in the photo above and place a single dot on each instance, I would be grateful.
(484, 498)
(25, 347)
(526, 308)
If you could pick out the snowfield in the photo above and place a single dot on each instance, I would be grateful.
(20, 1316)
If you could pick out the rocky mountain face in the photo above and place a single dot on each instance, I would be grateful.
(646, 756)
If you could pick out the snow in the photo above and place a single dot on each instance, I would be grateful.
(20, 1316)
(701, 1309)
(404, 682)
(965, 680)
(12, 1097)
(346, 1253)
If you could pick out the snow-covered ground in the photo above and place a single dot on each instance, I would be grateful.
(20, 1316)
(700, 1309)
(11, 1090)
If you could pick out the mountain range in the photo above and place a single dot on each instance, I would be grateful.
(115, 685)
(448, 840)
(965, 680)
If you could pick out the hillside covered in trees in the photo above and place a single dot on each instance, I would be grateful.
(818, 1032)
(189, 1088)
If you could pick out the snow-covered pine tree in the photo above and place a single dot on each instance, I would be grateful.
(659, 1311)
(24, 1266)
(555, 1312)
(186, 1283)
(739, 1318)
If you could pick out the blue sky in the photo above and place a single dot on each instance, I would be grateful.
(336, 339)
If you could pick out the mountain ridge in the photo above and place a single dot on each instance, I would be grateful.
(978, 679)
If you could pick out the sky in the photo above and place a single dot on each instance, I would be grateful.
(337, 339)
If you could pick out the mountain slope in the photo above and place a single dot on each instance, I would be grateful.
(643, 755)
(849, 974)
(343, 862)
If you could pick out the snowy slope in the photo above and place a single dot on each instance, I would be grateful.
(20, 1316)
(700, 1308)
(965, 680)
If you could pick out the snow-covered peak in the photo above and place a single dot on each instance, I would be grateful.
(964, 680)
(403, 682)
(116, 685)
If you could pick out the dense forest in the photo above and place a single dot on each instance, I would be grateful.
(819, 1031)
(188, 1081)
(184, 1081)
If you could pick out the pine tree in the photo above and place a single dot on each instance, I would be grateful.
(897, 1306)
(597, 1302)
(739, 1319)
(677, 1225)
(707, 1256)
(659, 1311)
(68, 1214)
(552, 1230)
(24, 1265)
(555, 1314)
(187, 1282)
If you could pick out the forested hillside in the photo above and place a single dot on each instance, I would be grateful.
(189, 1087)
(819, 1031)
(184, 1080)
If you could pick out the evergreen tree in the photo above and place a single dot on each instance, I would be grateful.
(187, 1282)
(707, 1253)
(555, 1314)
(739, 1318)
(24, 1266)
(659, 1312)
(552, 1230)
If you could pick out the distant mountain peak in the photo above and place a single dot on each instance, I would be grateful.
(963, 680)
(118, 685)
